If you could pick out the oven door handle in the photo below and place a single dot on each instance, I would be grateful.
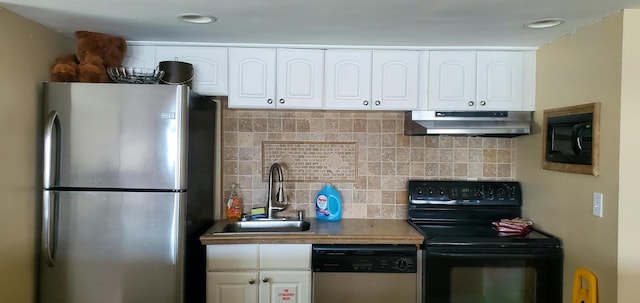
(531, 254)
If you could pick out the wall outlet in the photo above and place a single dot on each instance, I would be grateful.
(597, 204)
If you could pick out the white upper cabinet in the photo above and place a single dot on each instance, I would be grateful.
(348, 79)
(394, 80)
(506, 80)
(363, 79)
(452, 80)
(252, 76)
(270, 78)
(423, 81)
(143, 56)
(481, 80)
(300, 78)
(209, 65)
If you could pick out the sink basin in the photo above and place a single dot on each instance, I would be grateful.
(266, 226)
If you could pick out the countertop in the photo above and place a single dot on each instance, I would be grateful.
(345, 231)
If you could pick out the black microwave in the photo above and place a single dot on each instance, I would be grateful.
(570, 139)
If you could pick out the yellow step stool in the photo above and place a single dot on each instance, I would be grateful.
(581, 294)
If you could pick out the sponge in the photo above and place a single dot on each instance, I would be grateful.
(258, 211)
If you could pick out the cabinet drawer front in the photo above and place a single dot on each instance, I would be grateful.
(285, 256)
(233, 256)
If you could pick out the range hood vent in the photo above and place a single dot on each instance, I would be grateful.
(469, 123)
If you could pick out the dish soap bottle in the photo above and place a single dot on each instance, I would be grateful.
(328, 204)
(234, 207)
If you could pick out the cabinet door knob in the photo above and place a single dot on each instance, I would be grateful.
(471, 103)
(265, 279)
(377, 103)
(482, 103)
(270, 101)
(252, 281)
(281, 101)
(366, 103)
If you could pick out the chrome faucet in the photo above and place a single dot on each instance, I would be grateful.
(279, 194)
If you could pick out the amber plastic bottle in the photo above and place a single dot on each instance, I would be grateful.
(234, 206)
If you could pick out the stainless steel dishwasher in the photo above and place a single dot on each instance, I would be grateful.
(366, 273)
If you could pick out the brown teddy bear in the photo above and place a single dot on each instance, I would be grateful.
(65, 69)
(94, 53)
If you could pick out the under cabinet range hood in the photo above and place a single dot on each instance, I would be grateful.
(469, 123)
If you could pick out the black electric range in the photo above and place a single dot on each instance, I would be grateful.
(463, 212)
(467, 259)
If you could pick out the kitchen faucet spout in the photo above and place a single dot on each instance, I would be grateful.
(279, 196)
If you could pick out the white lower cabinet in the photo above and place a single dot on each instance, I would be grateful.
(232, 287)
(259, 273)
(285, 286)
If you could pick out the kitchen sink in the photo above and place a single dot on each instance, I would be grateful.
(266, 226)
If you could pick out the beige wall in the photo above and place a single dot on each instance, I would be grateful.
(386, 159)
(582, 67)
(629, 208)
(28, 50)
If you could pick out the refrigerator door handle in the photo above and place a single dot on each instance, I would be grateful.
(50, 164)
(48, 227)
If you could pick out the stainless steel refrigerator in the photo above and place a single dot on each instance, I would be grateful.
(127, 190)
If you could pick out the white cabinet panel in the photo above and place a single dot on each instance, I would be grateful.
(379, 80)
(285, 286)
(252, 76)
(270, 78)
(348, 79)
(140, 56)
(394, 80)
(232, 287)
(452, 79)
(259, 273)
(209, 65)
(423, 81)
(481, 80)
(503, 80)
(285, 256)
(233, 256)
(300, 78)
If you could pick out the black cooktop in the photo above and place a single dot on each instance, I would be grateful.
(461, 213)
(481, 235)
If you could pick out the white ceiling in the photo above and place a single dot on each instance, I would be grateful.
(419, 23)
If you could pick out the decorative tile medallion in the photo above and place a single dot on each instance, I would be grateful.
(312, 161)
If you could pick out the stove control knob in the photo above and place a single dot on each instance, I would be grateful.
(401, 264)
(430, 191)
(442, 191)
(420, 191)
(490, 193)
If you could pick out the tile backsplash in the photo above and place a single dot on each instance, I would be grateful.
(363, 153)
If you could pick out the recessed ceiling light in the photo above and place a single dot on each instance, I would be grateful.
(545, 23)
(197, 18)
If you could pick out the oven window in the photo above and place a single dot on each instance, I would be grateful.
(490, 275)
(493, 284)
